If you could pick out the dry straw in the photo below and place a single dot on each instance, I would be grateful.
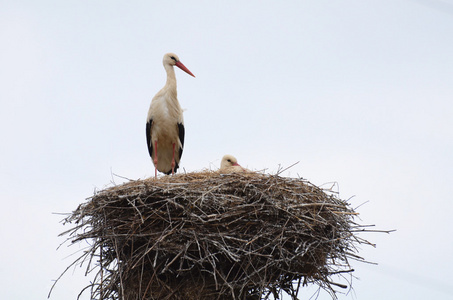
(210, 236)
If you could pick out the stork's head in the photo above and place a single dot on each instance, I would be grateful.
(228, 161)
(171, 59)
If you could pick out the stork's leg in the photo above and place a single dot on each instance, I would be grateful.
(155, 158)
(173, 160)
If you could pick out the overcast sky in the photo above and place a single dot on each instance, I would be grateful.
(358, 92)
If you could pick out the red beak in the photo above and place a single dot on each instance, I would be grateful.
(183, 67)
(236, 164)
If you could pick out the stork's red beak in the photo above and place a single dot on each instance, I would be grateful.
(236, 164)
(183, 67)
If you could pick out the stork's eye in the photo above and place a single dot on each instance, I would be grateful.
(172, 57)
(229, 160)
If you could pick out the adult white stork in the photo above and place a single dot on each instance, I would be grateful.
(165, 124)
(229, 164)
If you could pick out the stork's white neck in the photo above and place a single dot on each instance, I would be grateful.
(171, 77)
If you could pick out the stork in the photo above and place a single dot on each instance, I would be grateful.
(229, 164)
(165, 124)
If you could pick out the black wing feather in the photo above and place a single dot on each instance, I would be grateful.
(181, 131)
(148, 137)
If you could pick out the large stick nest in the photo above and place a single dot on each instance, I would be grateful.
(211, 236)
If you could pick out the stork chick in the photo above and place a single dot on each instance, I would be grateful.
(229, 164)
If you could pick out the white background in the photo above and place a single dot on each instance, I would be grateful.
(358, 92)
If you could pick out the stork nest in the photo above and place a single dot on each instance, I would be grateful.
(210, 236)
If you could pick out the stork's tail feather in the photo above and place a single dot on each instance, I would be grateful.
(176, 169)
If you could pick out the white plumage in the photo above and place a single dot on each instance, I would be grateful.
(165, 123)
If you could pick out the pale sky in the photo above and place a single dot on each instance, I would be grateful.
(358, 92)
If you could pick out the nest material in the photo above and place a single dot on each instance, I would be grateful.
(214, 236)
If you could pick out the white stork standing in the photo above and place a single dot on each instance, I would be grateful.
(165, 124)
